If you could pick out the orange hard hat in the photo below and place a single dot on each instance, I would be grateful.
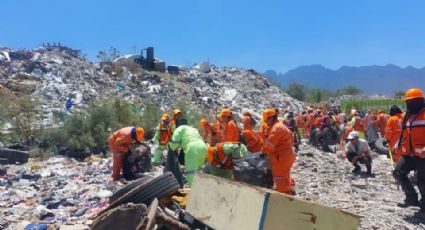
(203, 123)
(413, 94)
(140, 132)
(165, 117)
(176, 112)
(269, 113)
(226, 112)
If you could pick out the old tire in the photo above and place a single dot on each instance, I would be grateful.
(158, 187)
(126, 188)
(381, 146)
(14, 155)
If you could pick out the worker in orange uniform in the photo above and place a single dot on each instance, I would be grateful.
(393, 130)
(177, 114)
(381, 122)
(209, 134)
(119, 143)
(162, 137)
(301, 123)
(358, 125)
(231, 130)
(252, 140)
(278, 147)
(412, 149)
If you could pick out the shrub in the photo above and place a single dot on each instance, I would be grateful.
(22, 113)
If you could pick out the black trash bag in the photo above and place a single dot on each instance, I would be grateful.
(181, 157)
(253, 169)
(172, 165)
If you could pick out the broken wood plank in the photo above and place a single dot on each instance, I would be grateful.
(225, 204)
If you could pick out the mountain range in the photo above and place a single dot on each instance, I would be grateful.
(372, 79)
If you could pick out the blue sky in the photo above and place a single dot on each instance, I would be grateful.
(280, 35)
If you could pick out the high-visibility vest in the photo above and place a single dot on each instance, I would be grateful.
(413, 143)
(359, 126)
(164, 134)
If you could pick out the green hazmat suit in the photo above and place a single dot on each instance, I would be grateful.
(194, 147)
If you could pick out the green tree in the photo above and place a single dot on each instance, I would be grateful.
(108, 55)
(349, 90)
(399, 94)
(297, 91)
(318, 95)
(22, 112)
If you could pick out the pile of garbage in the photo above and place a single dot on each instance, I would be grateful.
(323, 178)
(56, 74)
(59, 191)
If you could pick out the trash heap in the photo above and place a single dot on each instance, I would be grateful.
(323, 178)
(58, 191)
(55, 74)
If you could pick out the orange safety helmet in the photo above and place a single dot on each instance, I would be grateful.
(203, 123)
(165, 117)
(269, 113)
(413, 94)
(226, 112)
(140, 132)
(177, 112)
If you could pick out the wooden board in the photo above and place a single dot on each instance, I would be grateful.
(225, 204)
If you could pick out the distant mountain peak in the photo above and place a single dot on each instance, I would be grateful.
(372, 79)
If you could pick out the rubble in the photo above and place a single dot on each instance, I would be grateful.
(59, 191)
(323, 178)
(64, 191)
(57, 73)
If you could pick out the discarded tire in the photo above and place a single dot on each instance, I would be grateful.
(13, 155)
(126, 188)
(381, 146)
(124, 217)
(158, 187)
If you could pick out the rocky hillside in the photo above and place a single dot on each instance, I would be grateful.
(55, 73)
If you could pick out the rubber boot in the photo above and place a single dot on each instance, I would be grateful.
(356, 169)
(409, 190)
(369, 167)
(421, 187)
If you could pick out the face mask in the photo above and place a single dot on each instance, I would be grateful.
(415, 106)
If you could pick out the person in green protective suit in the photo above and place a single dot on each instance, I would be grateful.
(195, 149)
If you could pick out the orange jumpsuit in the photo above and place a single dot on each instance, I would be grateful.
(209, 135)
(381, 122)
(254, 142)
(278, 147)
(119, 143)
(218, 128)
(392, 133)
(231, 132)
